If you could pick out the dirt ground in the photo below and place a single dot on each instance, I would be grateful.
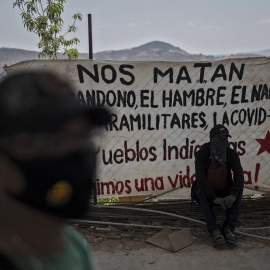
(127, 249)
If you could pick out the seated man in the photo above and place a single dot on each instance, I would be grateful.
(214, 164)
(47, 165)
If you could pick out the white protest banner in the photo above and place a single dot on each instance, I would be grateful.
(162, 112)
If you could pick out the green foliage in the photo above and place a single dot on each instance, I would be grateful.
(44, 18)
(106, 201)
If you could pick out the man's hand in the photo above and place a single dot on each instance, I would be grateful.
(229, 200)
(219, 201)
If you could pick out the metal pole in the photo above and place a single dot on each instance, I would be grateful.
(90, 39)
(90, 36)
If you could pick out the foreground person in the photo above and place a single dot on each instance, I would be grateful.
(46, 171)
(215, 185)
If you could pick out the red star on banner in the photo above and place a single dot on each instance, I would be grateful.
(265, 144)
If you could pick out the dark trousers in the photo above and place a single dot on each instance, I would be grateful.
(208, 210)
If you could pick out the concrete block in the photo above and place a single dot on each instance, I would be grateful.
(172, 240)
(161, 239)
(181, 239)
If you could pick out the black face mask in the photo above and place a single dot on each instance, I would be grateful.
(218, 151)
(58, 186)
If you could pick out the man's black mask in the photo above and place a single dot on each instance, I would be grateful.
(218, 152)
(58, 186)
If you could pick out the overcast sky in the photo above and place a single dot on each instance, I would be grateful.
(196, 26)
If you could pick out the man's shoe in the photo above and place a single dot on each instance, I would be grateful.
(218, 238)
(228, 234)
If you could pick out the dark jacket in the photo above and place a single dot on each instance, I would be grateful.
(202, 163)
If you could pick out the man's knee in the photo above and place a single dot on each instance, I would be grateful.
(201, 196)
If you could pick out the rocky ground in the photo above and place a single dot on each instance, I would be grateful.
(125, 247)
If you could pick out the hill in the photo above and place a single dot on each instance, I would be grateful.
(152, 51)
(9, 56)
(263, 53)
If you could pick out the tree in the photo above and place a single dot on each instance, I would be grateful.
(44, 18)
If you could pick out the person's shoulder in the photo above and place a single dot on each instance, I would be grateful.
(204, 149)
(232, 151)
(75, 237)
(79, 245)
(233, 155)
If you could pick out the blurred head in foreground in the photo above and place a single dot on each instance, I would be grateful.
(46, 158)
